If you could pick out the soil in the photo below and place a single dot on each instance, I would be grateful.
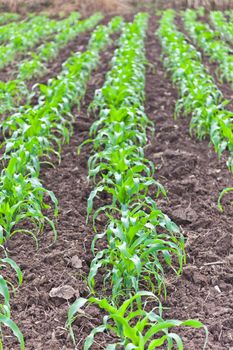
(193, 176)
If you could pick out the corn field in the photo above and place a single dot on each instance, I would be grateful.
(116, 175)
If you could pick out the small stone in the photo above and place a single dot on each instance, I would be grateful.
(217, 289)
(64, 292)
(76, 262)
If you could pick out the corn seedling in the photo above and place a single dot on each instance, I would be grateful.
(5, 314)
(222, 194)
(140, 329)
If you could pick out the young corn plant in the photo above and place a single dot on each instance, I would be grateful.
(139, 245)
(22, 198)
(140, 329)
(224, 192)
(5, 314)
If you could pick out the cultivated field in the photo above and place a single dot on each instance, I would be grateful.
(116, 191)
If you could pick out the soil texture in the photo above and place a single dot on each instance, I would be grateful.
(56, 273)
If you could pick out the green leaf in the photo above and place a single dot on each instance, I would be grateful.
(73, 310)
(4, 290)
(14, 328)
(13, 264)
(91, 198)
(90, 339)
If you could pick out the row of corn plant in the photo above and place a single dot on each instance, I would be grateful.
(13, 92)
(70, 22)
(10, 30)
(70, 28)
(33, 134)
(37, 29)
(6, 17)
(208, 40)
(224, 28)
(199, 95)
(139, 240)
(218, 51)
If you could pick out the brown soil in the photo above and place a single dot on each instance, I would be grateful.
(193, 176)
